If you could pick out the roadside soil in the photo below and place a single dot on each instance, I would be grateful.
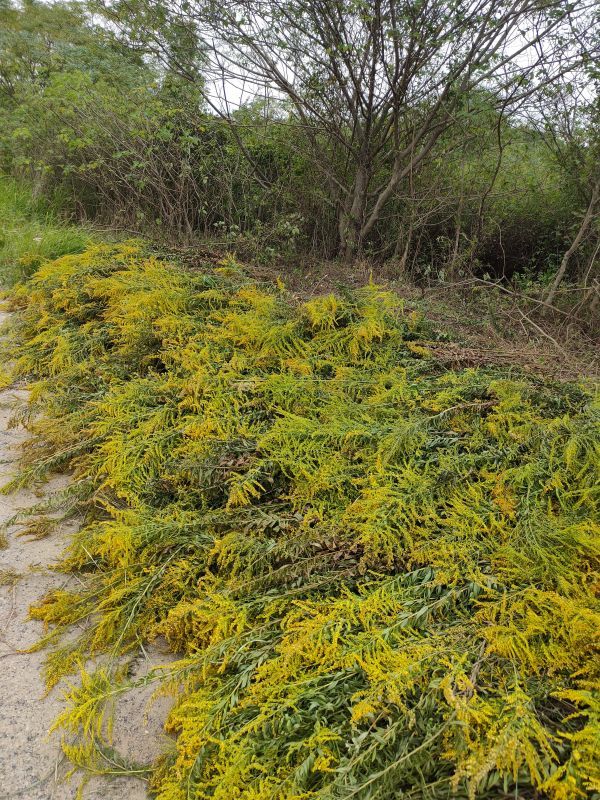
(32, 766)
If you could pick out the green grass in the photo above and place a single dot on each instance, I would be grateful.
(30, 233)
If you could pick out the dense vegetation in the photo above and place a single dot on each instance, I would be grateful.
(125, 134)
(379, 576)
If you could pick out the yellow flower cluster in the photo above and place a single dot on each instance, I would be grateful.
(379, 578)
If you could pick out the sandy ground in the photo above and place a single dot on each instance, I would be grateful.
(31, 763)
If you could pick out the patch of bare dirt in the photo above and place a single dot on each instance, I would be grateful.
(31, 763)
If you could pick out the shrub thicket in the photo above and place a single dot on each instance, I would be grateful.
(127, 143)
(378, 575)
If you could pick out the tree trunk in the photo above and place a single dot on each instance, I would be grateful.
(583, 229)
(351, 219)
(402, 249)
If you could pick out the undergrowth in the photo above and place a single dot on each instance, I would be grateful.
(30, 234)
(379, 577)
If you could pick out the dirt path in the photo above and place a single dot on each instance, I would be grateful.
(31, 764)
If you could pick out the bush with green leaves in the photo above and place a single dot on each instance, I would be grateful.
(125, 141)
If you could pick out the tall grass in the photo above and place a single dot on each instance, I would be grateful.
(31, 233)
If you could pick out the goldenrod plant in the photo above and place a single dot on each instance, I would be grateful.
(378, 577)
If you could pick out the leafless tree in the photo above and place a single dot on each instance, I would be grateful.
(374, 83)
